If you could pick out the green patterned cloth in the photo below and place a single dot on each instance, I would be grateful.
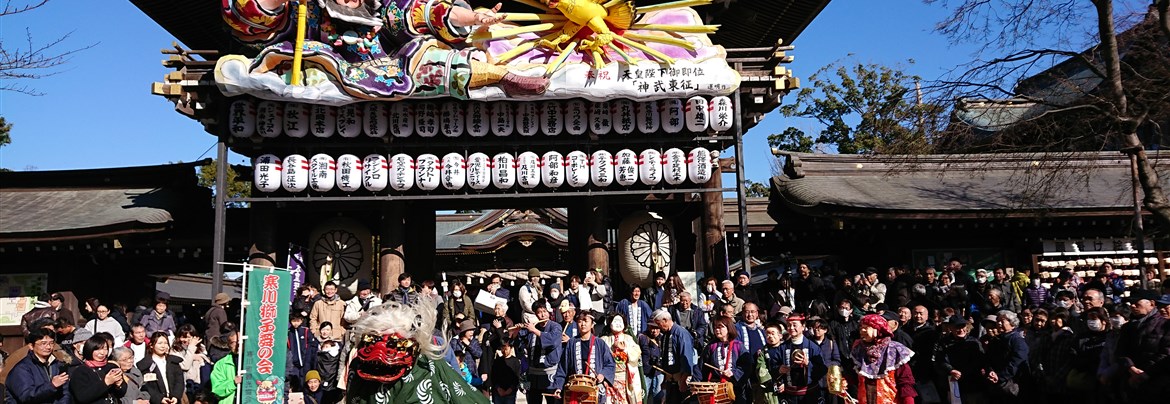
(430, 382)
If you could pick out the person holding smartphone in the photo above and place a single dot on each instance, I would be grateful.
(39, 378)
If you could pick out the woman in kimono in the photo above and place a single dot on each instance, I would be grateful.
(726, 359)
(628, 357)
(883, 371)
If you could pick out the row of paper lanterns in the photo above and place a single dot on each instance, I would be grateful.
(247, 117)
(478, 171)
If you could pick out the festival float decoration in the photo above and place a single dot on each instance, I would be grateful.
(322, 172)
(349, 173)
(266, 173)
(295, 173)
(375, 172)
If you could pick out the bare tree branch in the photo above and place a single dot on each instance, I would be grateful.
(31, 61)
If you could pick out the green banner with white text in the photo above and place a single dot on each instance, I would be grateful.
(265, 344)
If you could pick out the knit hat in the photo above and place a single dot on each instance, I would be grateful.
(79, 335)
(312, 375)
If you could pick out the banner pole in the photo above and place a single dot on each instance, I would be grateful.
(240, 329)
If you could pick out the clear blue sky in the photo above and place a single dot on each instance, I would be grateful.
(98, 111)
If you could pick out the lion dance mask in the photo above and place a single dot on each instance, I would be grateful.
(398, 359)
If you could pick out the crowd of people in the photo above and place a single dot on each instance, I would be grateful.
(811, 336)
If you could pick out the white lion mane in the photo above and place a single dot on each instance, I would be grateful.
(413, 321)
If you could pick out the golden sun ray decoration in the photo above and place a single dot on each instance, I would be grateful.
(609, 24)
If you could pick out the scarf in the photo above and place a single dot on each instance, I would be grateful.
(95, 364)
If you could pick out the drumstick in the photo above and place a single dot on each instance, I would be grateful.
(712, 366)
(660, 369)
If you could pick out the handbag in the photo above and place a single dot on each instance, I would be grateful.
(1009, 387)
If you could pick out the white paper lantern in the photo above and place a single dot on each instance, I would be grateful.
(349, 120)
(674, 167)
(626, 167)
(647, 117)
(451, 119)
(322, 172)
(427, 172)
(552, 169)
(375, 172)
(672, 115)
(600, 118)
(242, 118)
(269, 118)
(576, 117)
(349, 172)
(624, 119)
(527, 119)
(552, 120)
(479, 171)
(478, 119)
(577, 169)
(426, 121)
(401, 119)
(696, 115)
(503, 171)
(266, 171)
(699, 165)
(322, 120)
(401, 172)
(601, 168)
(722, 113)
(528, 170)
(376, 120)
(454, 171)
(503, 119)
(296, 119)
(650, 167)
(296, 173)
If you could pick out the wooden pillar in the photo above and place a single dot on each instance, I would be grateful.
(598, 254)
(714, 240)
(684, 235)
(579, 226)
(262, 224)
(420, 251)
(391, 258)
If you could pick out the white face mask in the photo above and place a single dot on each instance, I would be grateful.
(982, 280)
(1064, 303)
(1095, 325)
(1116, 322)
(845, 312)
(710, 289)
(554, 294)
(1036, 282)
(457, 293)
